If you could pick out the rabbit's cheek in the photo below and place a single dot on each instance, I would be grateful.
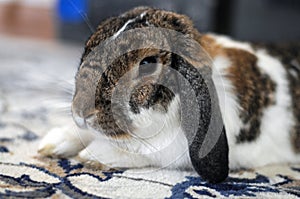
(157, 127)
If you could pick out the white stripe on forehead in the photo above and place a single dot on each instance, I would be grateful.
(127, 23)
(143, 14)
(123, 28)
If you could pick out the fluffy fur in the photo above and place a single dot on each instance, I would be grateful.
(254, 91)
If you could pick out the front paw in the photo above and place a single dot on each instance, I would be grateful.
(61, 142)
(111, 155)
(100, 152)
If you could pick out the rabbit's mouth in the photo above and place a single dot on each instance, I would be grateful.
(116, 119)
(80, 122)
(110, 118)
(85, 122)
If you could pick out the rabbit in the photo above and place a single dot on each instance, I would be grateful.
(247, 96)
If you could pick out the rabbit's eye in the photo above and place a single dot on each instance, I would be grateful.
(147, 66)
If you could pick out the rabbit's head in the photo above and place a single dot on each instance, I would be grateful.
(148, 59)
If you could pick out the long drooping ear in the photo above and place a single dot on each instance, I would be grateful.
(208, 148)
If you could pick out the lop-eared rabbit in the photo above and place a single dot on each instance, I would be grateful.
(181, 99)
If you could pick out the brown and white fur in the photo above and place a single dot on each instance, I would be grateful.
(260, 110)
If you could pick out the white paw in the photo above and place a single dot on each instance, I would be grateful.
(63, 142)
(111, 155)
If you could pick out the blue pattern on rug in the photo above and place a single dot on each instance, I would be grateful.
(232, 187)
(44, 189)
(67, 166)
(3, 149)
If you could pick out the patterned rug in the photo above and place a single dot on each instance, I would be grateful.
(34, 98)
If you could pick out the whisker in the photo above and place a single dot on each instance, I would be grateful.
(84, 16)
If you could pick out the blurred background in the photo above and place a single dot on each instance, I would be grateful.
(75, 20)
(42, 40)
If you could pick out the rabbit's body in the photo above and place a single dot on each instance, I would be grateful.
(259, 100)
(262, 94)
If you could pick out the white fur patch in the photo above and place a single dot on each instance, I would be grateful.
(112, 155)
(162, 139)
(143, 14)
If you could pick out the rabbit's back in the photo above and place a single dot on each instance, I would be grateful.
(289, 55)
(259, 92)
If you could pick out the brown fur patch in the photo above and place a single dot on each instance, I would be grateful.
(212, 48)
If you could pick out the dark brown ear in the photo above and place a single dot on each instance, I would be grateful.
(208, 148)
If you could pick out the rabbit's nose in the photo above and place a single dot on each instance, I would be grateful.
(80, 121)
(83, 115)
(86, 120)
(78, 114)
